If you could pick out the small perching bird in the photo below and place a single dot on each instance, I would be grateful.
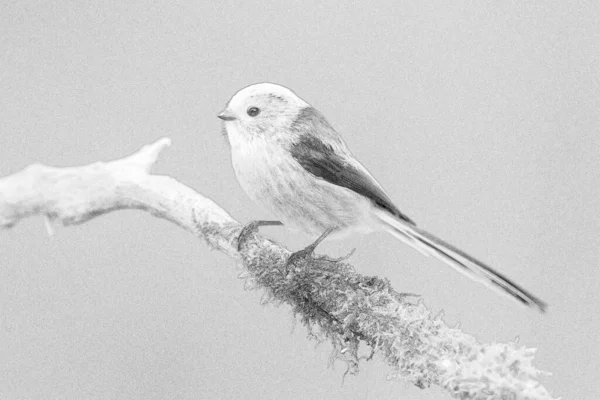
(289, 160)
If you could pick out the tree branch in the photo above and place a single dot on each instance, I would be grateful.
(333, 301)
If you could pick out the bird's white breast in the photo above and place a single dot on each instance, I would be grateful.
(258, 164)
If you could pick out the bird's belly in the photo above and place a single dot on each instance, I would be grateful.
(275, 181)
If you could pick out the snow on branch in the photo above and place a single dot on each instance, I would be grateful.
(333, 301)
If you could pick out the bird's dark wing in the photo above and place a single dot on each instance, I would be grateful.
(320, 159)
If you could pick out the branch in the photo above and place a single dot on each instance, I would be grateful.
(333, 301)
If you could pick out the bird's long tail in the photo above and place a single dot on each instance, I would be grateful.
(475, 269)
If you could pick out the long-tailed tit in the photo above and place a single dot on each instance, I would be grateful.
(289, 159)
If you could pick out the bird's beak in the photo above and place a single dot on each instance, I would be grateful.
(226, 115)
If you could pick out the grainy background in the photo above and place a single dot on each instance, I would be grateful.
(480, 119)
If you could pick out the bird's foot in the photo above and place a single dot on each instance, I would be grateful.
(251, 228)
(307, 252)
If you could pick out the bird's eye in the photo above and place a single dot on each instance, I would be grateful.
(253, 111)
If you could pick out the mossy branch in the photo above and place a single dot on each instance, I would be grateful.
(331, 299)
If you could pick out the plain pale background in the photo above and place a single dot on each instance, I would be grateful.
(480, 119)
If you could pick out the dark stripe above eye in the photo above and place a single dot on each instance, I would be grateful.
(274, 96)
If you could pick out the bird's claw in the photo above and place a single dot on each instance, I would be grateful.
(251, 228)
(307, 252)
(299, 255)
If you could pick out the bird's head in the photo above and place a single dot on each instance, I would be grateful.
(262, 108)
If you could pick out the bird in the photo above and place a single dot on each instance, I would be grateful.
(290, 160)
